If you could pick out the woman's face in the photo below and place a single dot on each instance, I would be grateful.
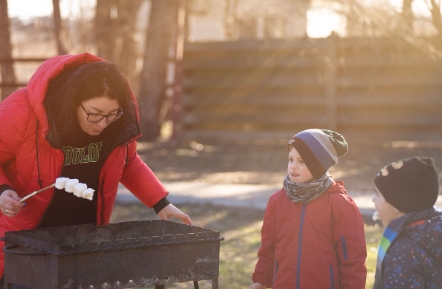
(103, 106)
(297, 169)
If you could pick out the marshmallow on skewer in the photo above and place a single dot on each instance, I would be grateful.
(60, 183)
(74, 186)
(79, 189)
(70, 184)
(88, 194)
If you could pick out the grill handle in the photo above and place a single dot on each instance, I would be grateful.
(9, 249)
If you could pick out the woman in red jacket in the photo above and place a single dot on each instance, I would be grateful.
(313, 233)
(77, 118)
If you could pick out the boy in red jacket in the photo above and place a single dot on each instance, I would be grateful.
(313, 233)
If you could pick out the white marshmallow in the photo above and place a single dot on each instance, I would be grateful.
(70, 184)
(88, 194)
(60, 183)
(79, 189)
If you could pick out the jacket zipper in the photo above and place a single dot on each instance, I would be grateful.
(127, 154)
(102, 203)
(298, 263)
(344, 247)
(276, 272)
(332, 278)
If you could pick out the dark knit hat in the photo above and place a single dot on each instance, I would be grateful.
(409, 184)
(319, 148)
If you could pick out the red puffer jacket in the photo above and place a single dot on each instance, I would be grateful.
(316, 245)
(24, 130)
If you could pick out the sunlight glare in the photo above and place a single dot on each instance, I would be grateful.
(322, 22)
(420, 8)
(26, 9)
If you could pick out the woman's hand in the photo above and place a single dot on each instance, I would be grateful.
(172, 211)
(257, 285)
(9, 203)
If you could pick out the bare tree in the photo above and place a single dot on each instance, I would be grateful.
(104, 28)
(375, 19)
(58, 27)
(115, 34)
(162, 25)
(436, 15)
(7, 68)
(127, 52)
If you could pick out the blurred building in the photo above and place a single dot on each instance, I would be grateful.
(214, 20)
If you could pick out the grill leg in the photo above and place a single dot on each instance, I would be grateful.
(162, 286)
(215, 283)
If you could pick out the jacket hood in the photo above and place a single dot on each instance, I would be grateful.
(38, 85)
(427, 233)
(337, 187)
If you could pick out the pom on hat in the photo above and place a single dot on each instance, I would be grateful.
(409, 184)
(319, 148)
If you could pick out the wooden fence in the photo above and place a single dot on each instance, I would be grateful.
(21, 67)
(255, 89)
(16, 84)
(264, 89)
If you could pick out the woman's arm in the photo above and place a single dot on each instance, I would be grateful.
(142, 182)
(14, 121)
(139, 179)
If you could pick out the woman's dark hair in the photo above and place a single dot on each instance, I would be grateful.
(69, 89)
(97, 79)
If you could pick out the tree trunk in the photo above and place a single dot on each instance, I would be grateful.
(436, 16)
(162, 25)
(407, 15)
(58, 27)
(127, 52)
(104, 29)
(115, 29)
(7, 69)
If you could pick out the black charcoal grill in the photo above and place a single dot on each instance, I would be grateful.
(122, 255)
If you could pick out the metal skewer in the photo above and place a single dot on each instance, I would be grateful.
(36, 192)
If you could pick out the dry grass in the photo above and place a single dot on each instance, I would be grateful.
(267, 163)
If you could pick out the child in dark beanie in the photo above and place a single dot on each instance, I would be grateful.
(313, 233)
(410, 251)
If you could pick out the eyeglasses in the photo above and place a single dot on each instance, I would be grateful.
(93, 117)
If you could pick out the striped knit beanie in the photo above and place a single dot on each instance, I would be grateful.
(319, 149)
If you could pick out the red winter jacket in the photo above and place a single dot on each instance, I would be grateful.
(318, 245)
(24, 127)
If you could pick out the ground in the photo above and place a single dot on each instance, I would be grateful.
(267, 163)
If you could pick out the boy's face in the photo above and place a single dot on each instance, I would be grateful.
(386, 211)
(297, 169)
